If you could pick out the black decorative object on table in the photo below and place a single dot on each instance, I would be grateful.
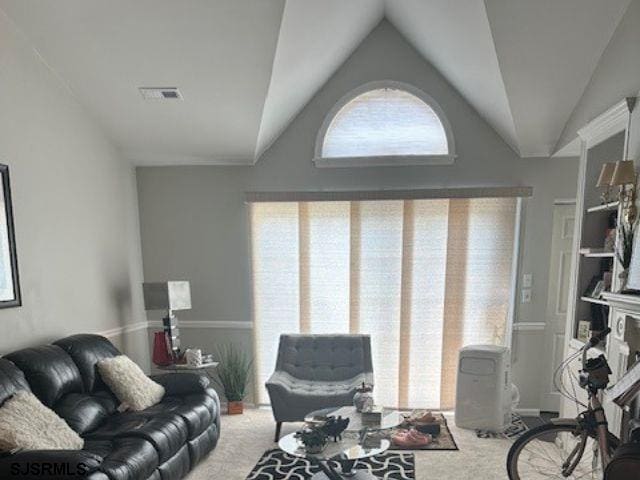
(313, 438)
(333, 427)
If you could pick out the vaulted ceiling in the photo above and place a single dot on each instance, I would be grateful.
(247, 67)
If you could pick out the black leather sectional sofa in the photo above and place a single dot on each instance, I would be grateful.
(163, 442)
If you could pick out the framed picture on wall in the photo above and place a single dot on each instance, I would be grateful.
(9, 278)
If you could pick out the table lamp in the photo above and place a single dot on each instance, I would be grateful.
(169, 296)
(624, 176)
(604, 180)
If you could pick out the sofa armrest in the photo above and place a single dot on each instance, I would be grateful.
(182, 383)
(51, 465)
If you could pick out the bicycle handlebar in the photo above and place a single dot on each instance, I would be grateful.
(596, 339)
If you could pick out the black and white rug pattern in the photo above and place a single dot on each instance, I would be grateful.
(513, 431)
(279, 465)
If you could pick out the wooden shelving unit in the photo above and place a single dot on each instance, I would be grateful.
(603, 140)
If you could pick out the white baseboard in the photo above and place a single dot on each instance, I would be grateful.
(528, 412)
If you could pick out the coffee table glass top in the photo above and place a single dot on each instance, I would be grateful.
(349, 448)
(390, 418)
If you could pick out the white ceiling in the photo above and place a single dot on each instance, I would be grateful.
(247, 67)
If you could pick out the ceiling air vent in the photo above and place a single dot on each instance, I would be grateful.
(160, 93)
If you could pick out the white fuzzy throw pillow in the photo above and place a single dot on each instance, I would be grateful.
(128, 382)
(27, 424)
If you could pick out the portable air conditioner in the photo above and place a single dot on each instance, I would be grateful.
(484, 394)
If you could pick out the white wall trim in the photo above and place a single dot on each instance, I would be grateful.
(402, 160)
(528, 412)
(529, 326)
(129, 328)
(187, 324)
(608, 124)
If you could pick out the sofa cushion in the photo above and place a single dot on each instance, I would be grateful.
(27, 424)
(197, 410)
(200, 446)
(125, 458)
(85, 412)
(50, 372)
(86, 351)
(11, 380)
(166, 432)
(177, 466)
(129, 383)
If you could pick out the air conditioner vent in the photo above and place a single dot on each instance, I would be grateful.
(160, 93)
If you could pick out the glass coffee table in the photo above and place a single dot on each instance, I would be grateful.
(337, 460)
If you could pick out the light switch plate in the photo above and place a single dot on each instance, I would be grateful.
(526, 295)
(527, 280)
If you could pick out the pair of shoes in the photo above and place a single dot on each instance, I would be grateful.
(420, 418)
(411, 439)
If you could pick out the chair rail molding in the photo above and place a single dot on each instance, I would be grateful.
(240, 325)
(129, 328)
(528, 326)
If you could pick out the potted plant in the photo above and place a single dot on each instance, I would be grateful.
(233, 372)
(626, 232)
(313, 439)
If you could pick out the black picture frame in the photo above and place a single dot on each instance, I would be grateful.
(8, 243)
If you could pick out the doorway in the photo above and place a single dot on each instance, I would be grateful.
(557, 297)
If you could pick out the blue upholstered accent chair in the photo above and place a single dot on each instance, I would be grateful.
(317, 371)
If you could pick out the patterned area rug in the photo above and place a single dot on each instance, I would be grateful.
(517, 428)
(279, 465)
(443, 441)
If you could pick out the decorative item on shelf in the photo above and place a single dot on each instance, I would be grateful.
(194, 357)
(169, 296)
(312, 438)
(333, 427)
(372, 416)
(624, 250)
(625, 177)
(233, 372)
(604, 181)
(363, 397)
(584, 328)
(595, 287)
(162, 354)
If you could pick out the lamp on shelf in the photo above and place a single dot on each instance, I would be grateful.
(625, 177)
(169, 296)
(604, 180)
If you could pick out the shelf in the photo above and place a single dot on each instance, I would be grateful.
(594, 300)
(596, 253)
(605, 207)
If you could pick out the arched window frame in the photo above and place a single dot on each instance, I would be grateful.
(384, 160)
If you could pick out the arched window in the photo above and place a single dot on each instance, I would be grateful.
(383, 124)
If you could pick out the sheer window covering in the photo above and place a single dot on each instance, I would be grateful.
(385, 122)
(422, 277)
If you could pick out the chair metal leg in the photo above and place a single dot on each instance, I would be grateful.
(278, 428)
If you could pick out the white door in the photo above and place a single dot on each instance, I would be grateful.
(557, 298)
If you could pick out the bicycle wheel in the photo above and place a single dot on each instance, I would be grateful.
(541, 453)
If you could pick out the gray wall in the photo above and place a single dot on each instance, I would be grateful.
(616, 76)
(194, 223)
(75, 210)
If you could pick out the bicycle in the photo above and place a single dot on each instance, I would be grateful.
(577, 448)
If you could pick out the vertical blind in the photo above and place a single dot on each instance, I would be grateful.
(422, 277)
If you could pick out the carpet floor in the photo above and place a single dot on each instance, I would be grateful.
(245, 438)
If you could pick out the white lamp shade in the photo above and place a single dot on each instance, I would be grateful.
(606, 173)
(171, 295)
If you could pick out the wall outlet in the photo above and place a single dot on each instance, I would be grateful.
(526, 295)
(527, 280)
